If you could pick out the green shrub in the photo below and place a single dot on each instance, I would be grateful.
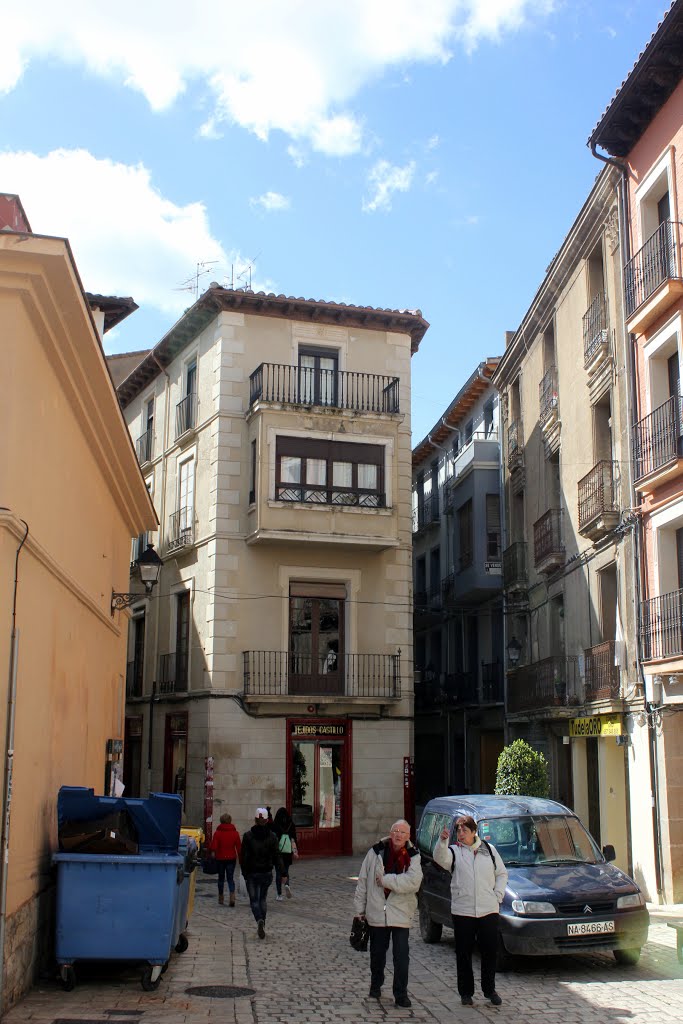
(522, 771)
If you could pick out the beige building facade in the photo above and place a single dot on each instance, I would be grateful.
(573, 687)
(274, 436)
(72, 496)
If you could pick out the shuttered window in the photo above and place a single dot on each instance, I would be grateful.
(492, 526)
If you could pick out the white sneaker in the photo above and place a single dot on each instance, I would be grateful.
(279, 899)
(288, 892)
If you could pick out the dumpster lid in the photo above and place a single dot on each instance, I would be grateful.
(156, 817)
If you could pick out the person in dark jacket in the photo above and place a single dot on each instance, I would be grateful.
(258, 857)
(284, 829)
(225, 847)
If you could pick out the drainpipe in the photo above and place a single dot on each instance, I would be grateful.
(638, 545)
(162, 521)
(9, 767)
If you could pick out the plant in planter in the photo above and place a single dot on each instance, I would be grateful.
(522, 771)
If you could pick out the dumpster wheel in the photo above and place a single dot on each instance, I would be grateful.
(181, 944)
(68, 976)
(151, 976)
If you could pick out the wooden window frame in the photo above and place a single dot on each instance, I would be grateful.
(330, 452)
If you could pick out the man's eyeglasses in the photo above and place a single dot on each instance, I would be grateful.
(400, 831)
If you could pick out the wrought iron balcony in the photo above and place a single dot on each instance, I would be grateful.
(186, 415)
(180, 529)
(515, 574)
(492, 687)
(602, 675)
(144, 447)
(134, 677)
(552, 682)
(595, 327)
(426, 513)
(548, 545)
(310, 386)
(598, 505)
(547, 395)
(651, 266)
(284, 674)
(657, 438)
(661, 627)
(515, 445)
(172, 675)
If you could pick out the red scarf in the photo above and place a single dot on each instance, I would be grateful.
(398, 862)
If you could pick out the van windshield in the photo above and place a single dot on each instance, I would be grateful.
(541, 839)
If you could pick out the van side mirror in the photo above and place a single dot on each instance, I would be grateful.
(609, 853)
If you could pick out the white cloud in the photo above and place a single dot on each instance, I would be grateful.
(126, 237)
(385, 179)
(295, 66)
(271, 202)
(433, 142)
(431, 177)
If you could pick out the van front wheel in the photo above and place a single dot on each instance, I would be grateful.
(429, 929)
(627, 957)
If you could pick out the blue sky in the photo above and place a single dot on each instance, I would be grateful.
(406, 154)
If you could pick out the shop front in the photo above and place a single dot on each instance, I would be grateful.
(319, 784)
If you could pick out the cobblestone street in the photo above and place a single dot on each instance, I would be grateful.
(306, 971)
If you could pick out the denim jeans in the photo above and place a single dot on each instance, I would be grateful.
(257, 887)
(379, 944)
(226, 869)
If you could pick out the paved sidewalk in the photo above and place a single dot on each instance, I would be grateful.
(306, 971)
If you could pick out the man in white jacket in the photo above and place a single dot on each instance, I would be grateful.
(478, 881)
(386, 896)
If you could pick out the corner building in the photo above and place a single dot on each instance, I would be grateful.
(274, 435)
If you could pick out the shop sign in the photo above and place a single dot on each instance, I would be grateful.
(319, 729)
(595, 726)
(493, 568)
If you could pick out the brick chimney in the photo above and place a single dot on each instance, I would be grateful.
(12, 216)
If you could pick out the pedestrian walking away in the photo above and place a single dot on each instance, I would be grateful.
(258, 857)
(386, 897)
(225, 847)
(284, 829)
(478, 881)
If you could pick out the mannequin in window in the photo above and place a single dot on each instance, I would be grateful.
(330, 662)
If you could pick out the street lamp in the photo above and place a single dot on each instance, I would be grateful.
(149, 566)
(514, 652)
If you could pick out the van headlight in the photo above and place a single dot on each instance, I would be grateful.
(635, 900)
(532, 907)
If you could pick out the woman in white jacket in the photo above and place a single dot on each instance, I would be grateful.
(389, 879)
(478, 883)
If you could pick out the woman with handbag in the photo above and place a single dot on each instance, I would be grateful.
(284, 829)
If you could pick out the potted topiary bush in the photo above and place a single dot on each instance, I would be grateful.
(522, 771)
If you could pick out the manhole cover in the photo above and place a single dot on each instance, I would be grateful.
(220, 991)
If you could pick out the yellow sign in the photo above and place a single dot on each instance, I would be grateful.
(597, 725)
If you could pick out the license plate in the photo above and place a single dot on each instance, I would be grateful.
(590, 928)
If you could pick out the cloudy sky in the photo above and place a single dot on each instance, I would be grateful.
(398, 153)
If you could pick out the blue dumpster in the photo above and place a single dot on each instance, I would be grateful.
(119, 906)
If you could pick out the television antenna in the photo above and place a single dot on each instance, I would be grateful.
(192, 283)
(243, 276)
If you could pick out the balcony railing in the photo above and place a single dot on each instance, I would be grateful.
(547, 394)
(602, 675)
(595, 325)
(426, 513)
(548, 545)
(657, 438)
(515, 572)
(186, 415)
(180, 529)
(515, 444)
(144, 446)
(597, 493)
(339, 389)
(282, 674)
(492, 682)
(651, 266)
(661, 626)
(552, 682)
(172, 675)
(134, 677)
